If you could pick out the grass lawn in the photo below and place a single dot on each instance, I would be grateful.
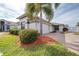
(9, 47)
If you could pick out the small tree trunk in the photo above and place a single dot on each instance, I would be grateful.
(41, 33)
(49, 26)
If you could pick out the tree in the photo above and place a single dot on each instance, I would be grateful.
(33, 9)
(50, 15)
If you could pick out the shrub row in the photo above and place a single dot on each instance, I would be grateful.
(26, 35)
(14, 31)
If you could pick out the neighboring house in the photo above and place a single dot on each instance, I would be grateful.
(77, 27)
(3, 25)
(6, 25)
(35, 24)
(72, 29)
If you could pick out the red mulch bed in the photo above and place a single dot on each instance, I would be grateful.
(40, 40)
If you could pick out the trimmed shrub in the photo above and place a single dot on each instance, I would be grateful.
(28, 35)
(14, 31)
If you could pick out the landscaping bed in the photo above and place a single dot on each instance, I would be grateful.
(39, 40)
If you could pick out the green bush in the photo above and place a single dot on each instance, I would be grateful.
(14, 31)
(28, 35)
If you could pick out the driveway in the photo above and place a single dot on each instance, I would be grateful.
(69, 40)
(58, 37)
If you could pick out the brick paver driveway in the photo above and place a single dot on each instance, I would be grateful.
(69, 40)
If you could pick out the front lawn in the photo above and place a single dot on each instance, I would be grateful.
(8, 47)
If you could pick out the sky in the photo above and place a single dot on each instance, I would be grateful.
(66, 13)
(10, 9)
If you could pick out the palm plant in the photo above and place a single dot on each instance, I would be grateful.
(33, 9)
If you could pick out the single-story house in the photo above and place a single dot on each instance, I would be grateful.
(35, 24)
(74, 28)
(5, 25)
